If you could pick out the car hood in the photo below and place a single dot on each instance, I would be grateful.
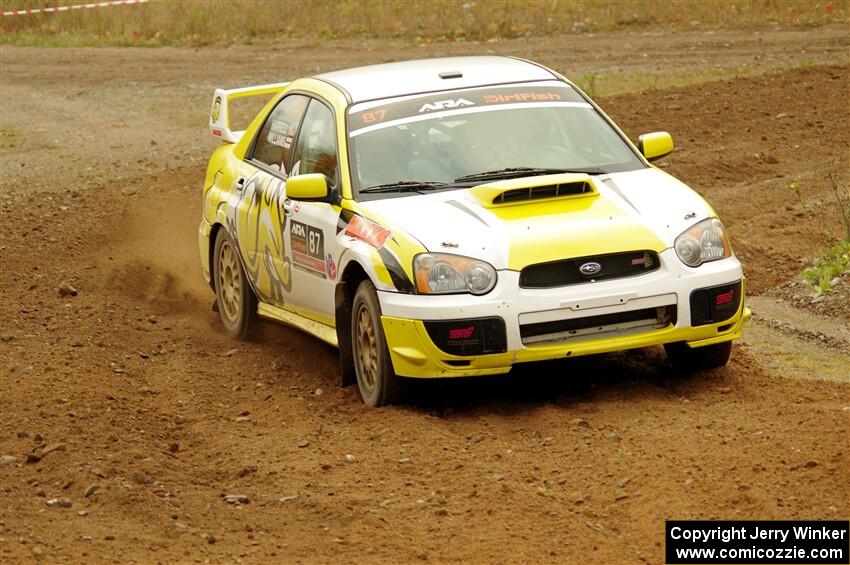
(636, 210)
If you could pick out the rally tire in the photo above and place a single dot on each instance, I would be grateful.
(378, 383)
(689, 359)
(236, 302)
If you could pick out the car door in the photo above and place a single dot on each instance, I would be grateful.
(312, 234)
(259, 217)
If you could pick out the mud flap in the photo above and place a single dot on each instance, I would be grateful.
(343, 333)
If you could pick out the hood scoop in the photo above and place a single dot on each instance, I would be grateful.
(534, 189)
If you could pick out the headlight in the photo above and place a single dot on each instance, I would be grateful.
(442, 273)
(704, 241)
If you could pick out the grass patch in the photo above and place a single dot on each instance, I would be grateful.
(835, 263)
(207, 22)
(841, 196)
(599, 85)
(8, 137)
(14, 141)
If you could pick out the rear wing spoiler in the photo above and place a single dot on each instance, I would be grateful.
(220, 114)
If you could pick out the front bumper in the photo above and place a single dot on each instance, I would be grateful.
(414, 353)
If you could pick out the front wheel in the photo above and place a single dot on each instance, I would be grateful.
(373, 367)
(686, 358)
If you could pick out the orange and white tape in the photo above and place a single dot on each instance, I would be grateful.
(28, 11)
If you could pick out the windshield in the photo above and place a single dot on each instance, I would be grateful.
(444, 137)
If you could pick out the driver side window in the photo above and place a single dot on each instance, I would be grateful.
(273, 146)
(315, 151)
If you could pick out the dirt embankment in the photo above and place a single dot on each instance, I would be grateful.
(130, 402)
(742, 144)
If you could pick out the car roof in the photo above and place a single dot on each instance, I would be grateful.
(424, 75)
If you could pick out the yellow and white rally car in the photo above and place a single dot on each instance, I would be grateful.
(453, 217)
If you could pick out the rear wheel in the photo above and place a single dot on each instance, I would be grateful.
(686, 358)
(237, 304)
(373, 367)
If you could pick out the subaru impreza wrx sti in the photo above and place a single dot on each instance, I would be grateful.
(454, 217)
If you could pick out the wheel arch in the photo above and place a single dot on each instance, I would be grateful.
(217, 229)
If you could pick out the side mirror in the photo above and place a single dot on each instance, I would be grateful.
(655, 145)
(313, 186)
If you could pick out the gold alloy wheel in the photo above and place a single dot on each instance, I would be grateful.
(229, 281)
(367, 349)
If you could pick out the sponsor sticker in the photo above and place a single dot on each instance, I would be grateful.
(330, 267)
(521, 97)
(281, 134)
(365, 116)
(367, 231)
(445, 105)
(308, 248)
(216, 109)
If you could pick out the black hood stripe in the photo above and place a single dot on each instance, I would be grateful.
(398, 277)
(397, 274)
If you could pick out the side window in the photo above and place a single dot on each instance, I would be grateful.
(315, 151)
(273, 146)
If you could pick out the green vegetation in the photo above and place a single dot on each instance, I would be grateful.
(835, 263)
(205, 22)
(842, 200)
(8, 136)
(609, 84)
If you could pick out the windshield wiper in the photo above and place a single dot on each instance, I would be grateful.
(404, 186)
(513, 172)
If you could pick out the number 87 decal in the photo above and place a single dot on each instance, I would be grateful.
(315, 242)
(376, 116)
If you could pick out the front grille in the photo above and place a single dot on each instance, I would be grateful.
(581, 269)
(621, 323)
(546, 191)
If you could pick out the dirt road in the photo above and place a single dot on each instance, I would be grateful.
(130, 402)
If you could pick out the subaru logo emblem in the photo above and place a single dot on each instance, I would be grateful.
(590, 268)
